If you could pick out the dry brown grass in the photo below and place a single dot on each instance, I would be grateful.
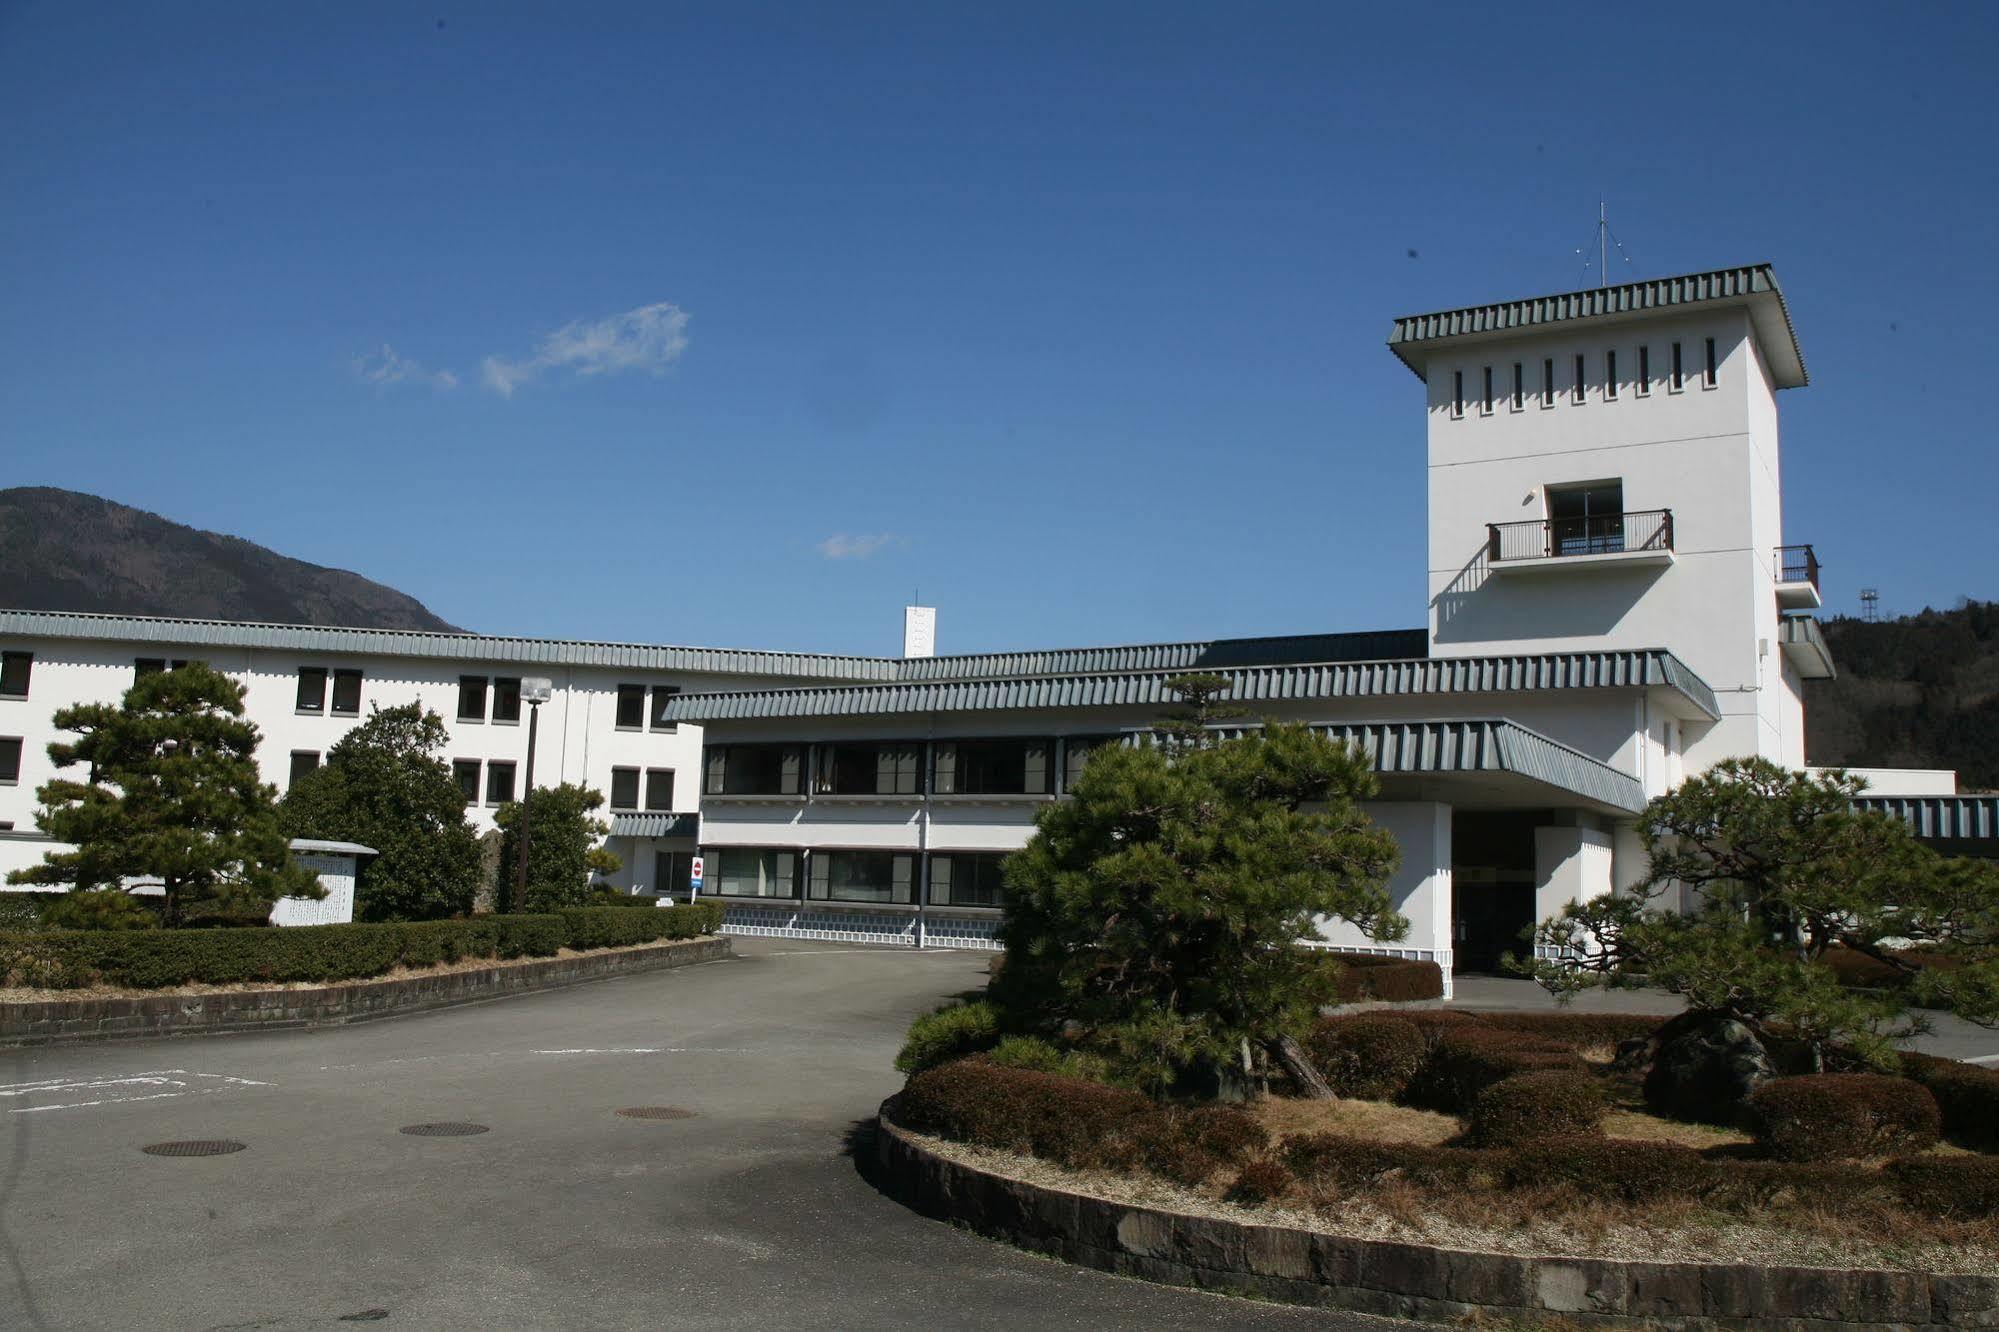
(1376, 1121)
(1638, 1126)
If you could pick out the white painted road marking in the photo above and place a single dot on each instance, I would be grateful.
(154, 1085)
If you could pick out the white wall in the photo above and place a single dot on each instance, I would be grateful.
(1420, 888)
(1570, 865)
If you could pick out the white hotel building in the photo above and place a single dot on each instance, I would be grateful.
(1613, 606)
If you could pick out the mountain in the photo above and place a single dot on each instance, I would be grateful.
(64, 551)
(1920, 691)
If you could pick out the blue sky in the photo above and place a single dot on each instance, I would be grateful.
(739, 324)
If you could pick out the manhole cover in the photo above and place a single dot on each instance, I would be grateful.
(447, 1130)
(197, 1147)
(654, 1112)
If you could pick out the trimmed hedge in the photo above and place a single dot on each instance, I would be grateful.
(1077, 1123)
(1842, 1116)
(1369, 1056)
(1465, 1060)
(1371, 977)
(153, 959)
(1552, 1102)
(951, 1032)
(1966, 1094)
(1950, 1186)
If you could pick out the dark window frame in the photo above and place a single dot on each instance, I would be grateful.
(17, 673)
(1485, 403)
(1711, 371)
(771, 862)
(312, 701)
(495, 769)
(461, 770)
(659, 696)
(506, 706)
(469, 687)
(1457, 394)
(654, 802)
(621, 778)
(1677, 378)
(18, 745)
(299, 769)
(983, 868)
(1519, 386)
(1610, 374)
(636, 695)
(1643, 385)
(728, 770)
(343, 676)
(1579, 391)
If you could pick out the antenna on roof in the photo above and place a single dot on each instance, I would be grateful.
(1601, 241)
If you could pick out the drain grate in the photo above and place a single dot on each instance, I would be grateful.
(194, 1147)
(444, 1130)
(654, 1112)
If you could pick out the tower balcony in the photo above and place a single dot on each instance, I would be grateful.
(1643, 537)
(1797, 578)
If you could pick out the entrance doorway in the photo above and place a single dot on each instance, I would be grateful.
(1492, 887)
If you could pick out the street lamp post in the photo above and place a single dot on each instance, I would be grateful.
(535, 691)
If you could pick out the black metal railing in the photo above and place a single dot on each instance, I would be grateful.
(1597, 534)
(1797, 564)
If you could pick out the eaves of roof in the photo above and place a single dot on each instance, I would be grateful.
(1641, 668)
(1755, 285)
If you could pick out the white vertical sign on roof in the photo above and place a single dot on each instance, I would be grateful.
(919, 631)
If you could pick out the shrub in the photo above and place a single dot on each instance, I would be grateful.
(151, 959)
(949, 1033)
(23, 911)
(1259, 1182)
(1368, 977)
(1465, 1060)
(1967, 1096)
(607, 896)
(616, 927)
(98, 909)
(1330, 1159)
(1956, 1186)
(1576, 1031)
(1552, 1102)
(1841, 1116)
(1628, 1171)
(1229, 1134)
(1030, 1052)
(1065, 1120)
(1368, 1056)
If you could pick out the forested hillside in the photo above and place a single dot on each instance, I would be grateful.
(1921, 691)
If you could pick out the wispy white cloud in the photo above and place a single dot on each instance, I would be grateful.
(649, 339)
(841, 546)
(387, 369)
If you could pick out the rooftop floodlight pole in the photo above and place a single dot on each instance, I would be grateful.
(535, 691)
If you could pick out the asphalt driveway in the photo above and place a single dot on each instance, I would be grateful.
(748, 1213)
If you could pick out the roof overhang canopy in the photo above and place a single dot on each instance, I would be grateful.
(1415, 338)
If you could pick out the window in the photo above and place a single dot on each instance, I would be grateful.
(1581, 380)
(347, 693)
(312, 689)
(862, 876)
(752, 872)
(631, 707)
(624, 788)
(10, 760)
(1485, 404)
(1644, 384)
(659, 789)
(1457, 393)
(303, 761)
(1548, 382)
(1610, 374)
(661, 696)
(466, 772)
(991, 767)
(673, 873)
(1519, 386)
(471, 698)
(754, 770)
(1586, 519)
(146, 666)
(965, 880)
(1707, 375)
(507, 698)
(870, 769)
(15, 668)
(1078, 750)
(1678, 378)
(499, 781)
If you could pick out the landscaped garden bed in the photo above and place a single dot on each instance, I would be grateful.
(1513, 1133)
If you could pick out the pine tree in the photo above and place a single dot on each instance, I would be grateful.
(172, 792)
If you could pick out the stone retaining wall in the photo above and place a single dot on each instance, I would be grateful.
(1414, 1280)
(65, 1020)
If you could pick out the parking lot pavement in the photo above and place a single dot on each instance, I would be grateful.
(745, 1212)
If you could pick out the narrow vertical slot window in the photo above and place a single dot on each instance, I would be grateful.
(1677, 379)
(1457, 393)
(1643, 386)
(1581, 381)
(1485, 402)
(1519, 386)
(1707, 379)
(1548, 382)
(1610, 374)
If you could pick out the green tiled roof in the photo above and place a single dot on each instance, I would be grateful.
(1250, 685)
(1956, 818)
(1754, 285)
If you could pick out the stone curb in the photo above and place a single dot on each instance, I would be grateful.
(65, 1021)
(1417, 1281)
